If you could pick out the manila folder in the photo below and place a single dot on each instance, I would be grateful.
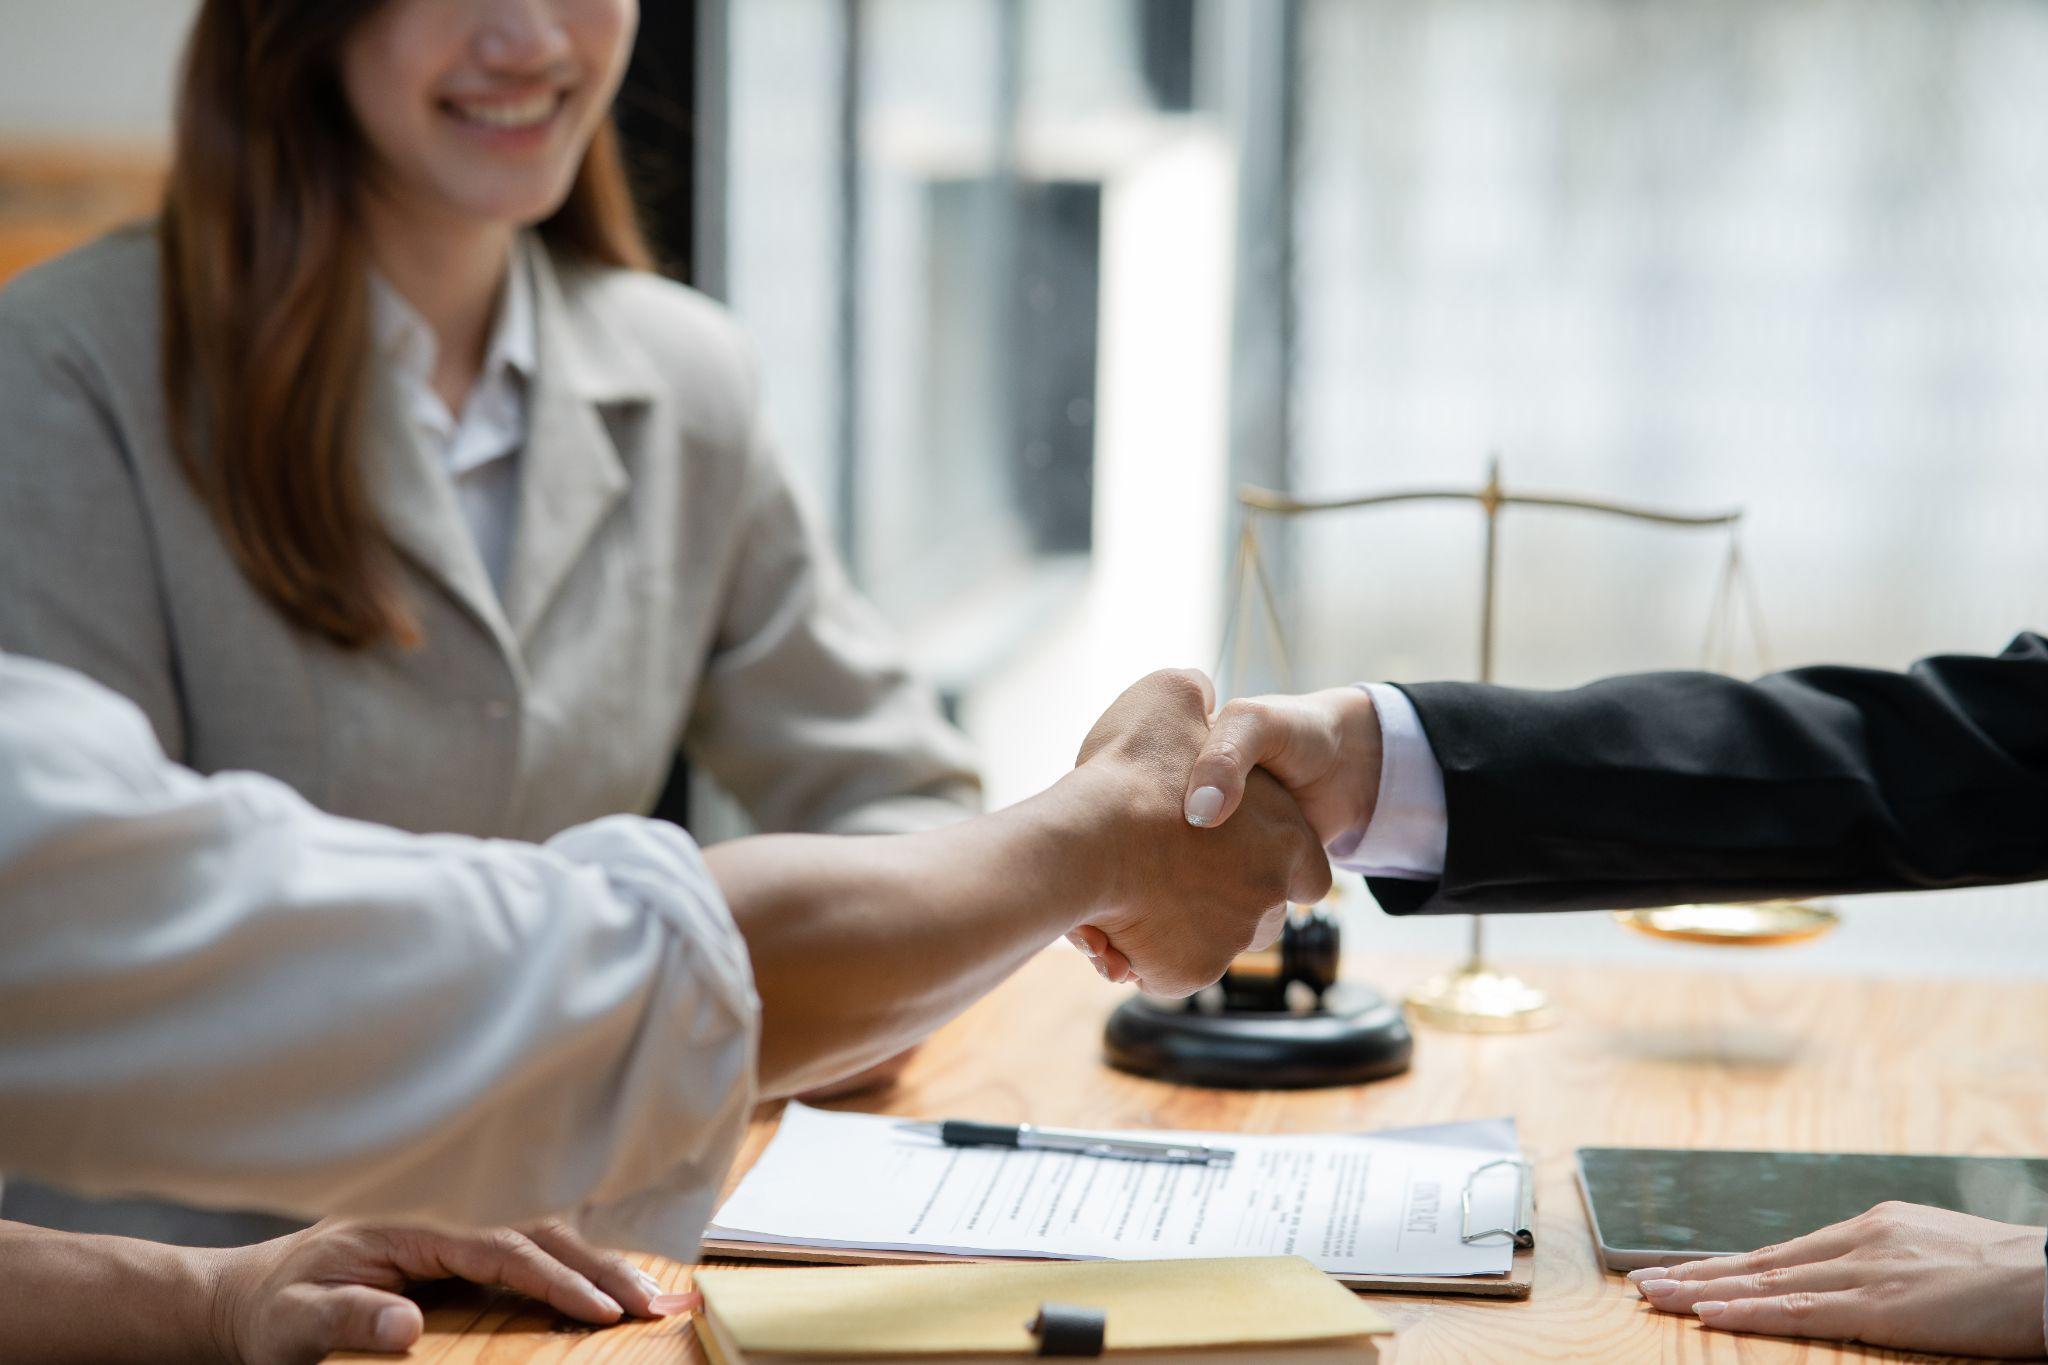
(1254, 1308)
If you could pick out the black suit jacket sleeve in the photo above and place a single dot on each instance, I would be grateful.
(1666, 788)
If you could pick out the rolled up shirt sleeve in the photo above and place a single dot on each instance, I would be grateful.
(1408, 832)
(212, 992)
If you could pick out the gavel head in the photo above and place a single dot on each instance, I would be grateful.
(1304, 954)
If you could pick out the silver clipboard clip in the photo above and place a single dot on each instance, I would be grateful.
(1523, 1230)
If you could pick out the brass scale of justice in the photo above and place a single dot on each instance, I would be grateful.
(1280, 1017)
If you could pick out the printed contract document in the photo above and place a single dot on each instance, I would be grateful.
(1354, 1205)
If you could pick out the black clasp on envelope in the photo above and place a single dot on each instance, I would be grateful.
(1068, 1329)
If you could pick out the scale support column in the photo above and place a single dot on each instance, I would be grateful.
(1475, 998)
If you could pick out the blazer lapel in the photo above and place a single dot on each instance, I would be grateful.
(571, 472)
(416, 504)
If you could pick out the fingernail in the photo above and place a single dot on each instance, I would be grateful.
(1656, 1289)
(649, 1283)
(394, 1329)
(1654, 1272)
(1709, 1310)
(668, 1305)
(1204, 805)
(1087, 949)
(606, 1303)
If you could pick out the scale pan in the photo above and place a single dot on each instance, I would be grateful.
(1763, 924)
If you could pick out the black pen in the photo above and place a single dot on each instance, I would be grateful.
(1030, 1137)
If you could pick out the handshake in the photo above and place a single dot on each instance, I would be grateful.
(1201, 826)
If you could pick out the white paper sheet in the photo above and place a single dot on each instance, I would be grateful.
(1361, 1205)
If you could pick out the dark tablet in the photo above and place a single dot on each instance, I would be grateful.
(1653, 1206)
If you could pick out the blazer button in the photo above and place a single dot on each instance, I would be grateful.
(497, 710)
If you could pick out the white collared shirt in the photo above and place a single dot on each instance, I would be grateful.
(211, 991)
(480, 449)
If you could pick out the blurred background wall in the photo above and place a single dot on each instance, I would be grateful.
(1036, 283)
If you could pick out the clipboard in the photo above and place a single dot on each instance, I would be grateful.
(1513, 1285)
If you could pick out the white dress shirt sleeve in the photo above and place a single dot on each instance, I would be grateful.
(1406, 836)
(212, 992)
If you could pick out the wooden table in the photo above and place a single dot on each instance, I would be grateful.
(1671, 1057)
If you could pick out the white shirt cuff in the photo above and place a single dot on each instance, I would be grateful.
(1406, 835)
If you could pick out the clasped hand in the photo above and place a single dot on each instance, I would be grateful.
(1182, 901)
(1228, 822)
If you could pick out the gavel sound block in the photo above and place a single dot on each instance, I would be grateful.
(1279, 1019)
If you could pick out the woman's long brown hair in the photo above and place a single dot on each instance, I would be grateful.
(265, 305)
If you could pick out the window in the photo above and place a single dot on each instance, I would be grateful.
(945, 230)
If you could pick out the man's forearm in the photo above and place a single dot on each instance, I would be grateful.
(66, 1297)
(862, 946)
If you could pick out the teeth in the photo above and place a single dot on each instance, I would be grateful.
(524, 113)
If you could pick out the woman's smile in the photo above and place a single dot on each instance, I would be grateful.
(508, 111)
(521, 118)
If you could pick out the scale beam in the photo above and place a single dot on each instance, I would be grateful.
(1258, 499)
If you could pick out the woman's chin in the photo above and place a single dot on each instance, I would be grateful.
(522, 203)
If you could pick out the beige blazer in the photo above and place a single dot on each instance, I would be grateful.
(665, 589)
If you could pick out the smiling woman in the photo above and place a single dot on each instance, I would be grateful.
(382, 464)
(322, 134)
